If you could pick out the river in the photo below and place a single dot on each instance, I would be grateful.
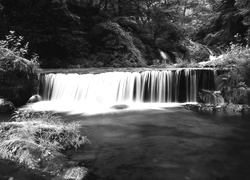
(167, 144)
(161, 144)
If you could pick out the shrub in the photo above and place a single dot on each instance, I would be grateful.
(17, 46)
(19, 79)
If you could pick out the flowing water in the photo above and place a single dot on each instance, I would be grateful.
(98, 93)
(139, 129)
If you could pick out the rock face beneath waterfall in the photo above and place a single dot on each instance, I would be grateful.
(18, 77)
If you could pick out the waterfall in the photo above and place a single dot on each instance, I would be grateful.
(126, 87)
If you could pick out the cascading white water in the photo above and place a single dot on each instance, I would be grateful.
(122, 87)
(98, 93)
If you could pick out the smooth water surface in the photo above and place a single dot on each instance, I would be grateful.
(159, 144)
(169, 144)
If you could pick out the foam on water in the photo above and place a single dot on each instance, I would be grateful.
(74, 107)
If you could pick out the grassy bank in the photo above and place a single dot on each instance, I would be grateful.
(37, 141)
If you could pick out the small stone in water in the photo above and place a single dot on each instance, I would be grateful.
(76, 173)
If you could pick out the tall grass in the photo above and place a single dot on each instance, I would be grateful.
(37, 140)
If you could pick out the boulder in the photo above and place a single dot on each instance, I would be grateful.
(120, 106)
(6, 106)
(35, 98)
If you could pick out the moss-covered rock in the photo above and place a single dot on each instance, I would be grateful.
(18, 77)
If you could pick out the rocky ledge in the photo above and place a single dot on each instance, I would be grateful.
(230, 107)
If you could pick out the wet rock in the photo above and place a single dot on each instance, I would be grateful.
(75, 173)
(237, 107)
(201, 107)
(120, 106)
(6, 106)
(207, 107)
(35, 98)
(193, 107)
(220, 108)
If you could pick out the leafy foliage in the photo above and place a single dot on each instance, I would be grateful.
(236, 55)
(61, 32)
(231, 18)
(13, 50)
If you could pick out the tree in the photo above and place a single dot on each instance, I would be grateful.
(232, 19)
